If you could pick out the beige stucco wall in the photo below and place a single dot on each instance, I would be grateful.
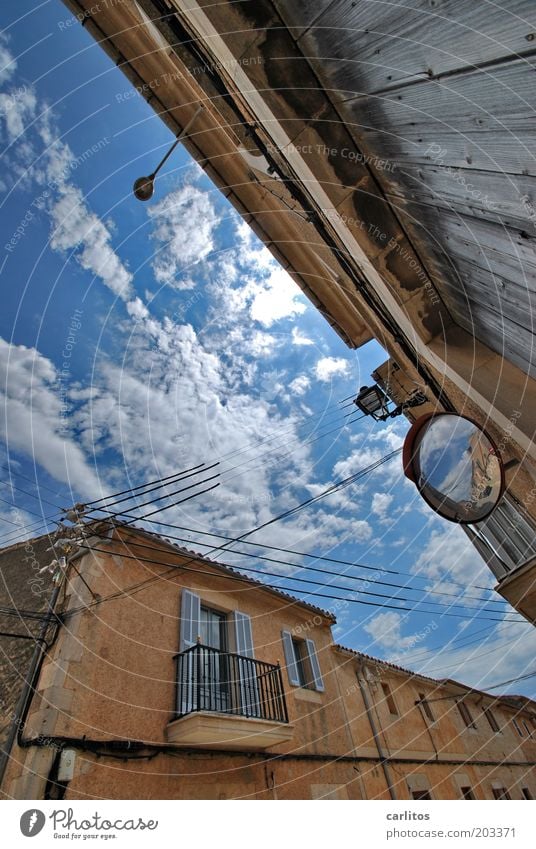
(111, 676)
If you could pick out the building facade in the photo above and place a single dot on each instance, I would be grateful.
(395, 185)
(167, 675)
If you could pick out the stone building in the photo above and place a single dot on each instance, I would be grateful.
(168, 675)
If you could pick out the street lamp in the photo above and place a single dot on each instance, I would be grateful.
(373, 401)
(143, 187)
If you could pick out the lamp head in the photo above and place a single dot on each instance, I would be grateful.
(143, 188)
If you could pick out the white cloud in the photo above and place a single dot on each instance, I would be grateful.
(300, 385)
(8, 63)
(183, 227)
(300, 339)
(381, 502)
(33, 421)
(274, 298)
(449, 554)
(328, 367)
(17, 108)
(386, 631)
(76, 228)
(137, 309)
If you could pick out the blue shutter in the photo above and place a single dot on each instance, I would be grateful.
(190, 616)
(243, 635)
(249, 686)
(290, 659)
(315, 666)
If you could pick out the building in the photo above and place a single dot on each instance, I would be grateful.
(168, 675)
(391, 178)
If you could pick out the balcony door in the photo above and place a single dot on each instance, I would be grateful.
(214, 690)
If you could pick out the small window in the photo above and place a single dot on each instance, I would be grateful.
(388, 696)
(493, 724)
(517, 727)
(500, 793)
(467, 793)
(526, 793)
(465, 714)
(527, 729)
(420, 794)
(426, 707)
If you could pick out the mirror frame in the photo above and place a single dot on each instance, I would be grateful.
(408, 462)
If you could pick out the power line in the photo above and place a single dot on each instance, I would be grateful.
(330, 572)
(182, 567)
(382, 569)
(160, 486)
(512, 680)
(159, 481)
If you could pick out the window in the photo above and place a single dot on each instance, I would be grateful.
(302, 664)
(527, 729)
(506, 538)
(420, 794)
(388, 697)
(467, 793)
(426, 707)
(526, 793)
(500, 793)
(493, 724)
(466, 715)
(517, 727)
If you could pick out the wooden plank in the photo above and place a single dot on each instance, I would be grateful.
(467, 283)
(374, 46)
(486, 243)
(298, 15)
(481, 121)
(492, 196)
(511, 341)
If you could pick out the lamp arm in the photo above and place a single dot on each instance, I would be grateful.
(179, 138)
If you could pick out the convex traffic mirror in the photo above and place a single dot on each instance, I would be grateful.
(455, 466)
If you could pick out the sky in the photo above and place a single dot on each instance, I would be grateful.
(137, 340)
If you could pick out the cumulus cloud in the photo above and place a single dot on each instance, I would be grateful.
(328, 367)
(8, 63)
(381, 502)
(386, 631)
(183, 230)
(34, 421)
(274, 298)
(76, 228)
(300, 385)
(300, 339)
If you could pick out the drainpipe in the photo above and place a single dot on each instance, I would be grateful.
(381, 754)
(25, 698)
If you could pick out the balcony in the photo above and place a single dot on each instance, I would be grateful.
(225, 700)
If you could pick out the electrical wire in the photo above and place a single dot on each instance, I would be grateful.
(159, 481)
(330, 572)
(318, 557)
(183, 568)
(161, 485)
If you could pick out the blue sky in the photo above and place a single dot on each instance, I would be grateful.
(137, 339)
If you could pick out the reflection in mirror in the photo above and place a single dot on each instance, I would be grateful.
(456, 468)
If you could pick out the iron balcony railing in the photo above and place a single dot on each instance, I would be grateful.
(212, 680)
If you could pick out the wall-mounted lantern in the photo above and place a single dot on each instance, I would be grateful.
(373, 401)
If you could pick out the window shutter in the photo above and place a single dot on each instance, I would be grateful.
(249, 686)
(190, 616)
(290, 659)
(315, 666)
(243, 635)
